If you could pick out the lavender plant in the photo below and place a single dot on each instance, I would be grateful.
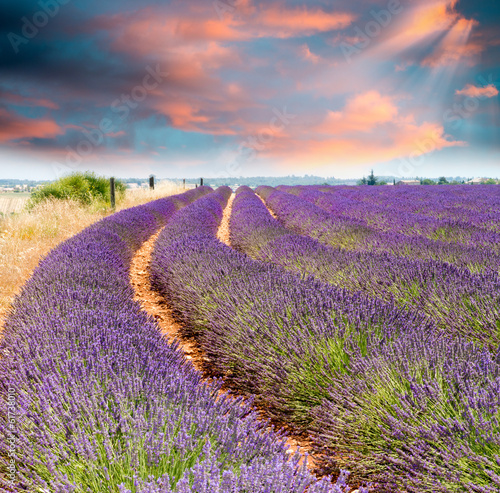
(103, 403)
(456, 299)
(450, 225)
(385, 392)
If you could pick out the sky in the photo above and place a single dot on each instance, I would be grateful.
(231, 88)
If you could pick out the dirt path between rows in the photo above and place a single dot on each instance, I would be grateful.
(223, 233)
(268, 209)
(156, 306)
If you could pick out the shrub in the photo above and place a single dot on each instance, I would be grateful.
(86, 188)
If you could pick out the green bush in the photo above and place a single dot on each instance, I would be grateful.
(86, 188)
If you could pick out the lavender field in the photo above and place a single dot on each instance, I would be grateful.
(365, 318)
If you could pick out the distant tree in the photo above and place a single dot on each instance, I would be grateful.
(383, 182)
(372, 179)
(363, 181)
(427, 181)
(442, 180)
(490, 181)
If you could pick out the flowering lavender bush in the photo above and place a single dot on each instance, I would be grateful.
(459, 225)
(103, 403)
(387, 394)
(456, 299)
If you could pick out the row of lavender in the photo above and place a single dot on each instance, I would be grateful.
(93, 398)
(417, 210)
(195, 272)
(456, 299)
(415, 225)
(343, 366)
(419, 403)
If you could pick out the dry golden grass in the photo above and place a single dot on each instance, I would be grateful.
(27, 237)
(140, 196)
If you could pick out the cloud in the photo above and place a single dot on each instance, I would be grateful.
(227, 74)
(282, 22)
(16, 127)
(20, 100)
(431, 33)
(306, 54)
(455, 46)
(140, 31)
(472, 91)
(361, 114)
(369, 129)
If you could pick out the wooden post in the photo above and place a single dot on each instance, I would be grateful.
(201, 182)
(112, 192)
(151, 182)
(184, 183)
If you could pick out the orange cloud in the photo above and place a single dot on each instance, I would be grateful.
(203, 30)
(14, 127)
(20, 100)
(282, 22)
(432, 17)
(437, 25)
(155, 31)
(489, 91)
(368, 130)
(455, 46)
(182, 114)
(360, 114)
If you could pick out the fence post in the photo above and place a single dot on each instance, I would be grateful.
(151, 182)
(112, 192)
(201, 182)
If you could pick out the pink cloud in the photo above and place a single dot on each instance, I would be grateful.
(14, 127)
(361, 114)
(488, 91)
(20, 100)
(141, 31)
(436, 25)
(369, 129)
(306, 54)
(455, 46)
(282, 22)
(182, 114)
(121, 133)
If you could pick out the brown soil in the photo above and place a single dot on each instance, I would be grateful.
(223, 233)
(270, 211)
(156, 306)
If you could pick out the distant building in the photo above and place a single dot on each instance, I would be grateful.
(408, 182)
(477, 181)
